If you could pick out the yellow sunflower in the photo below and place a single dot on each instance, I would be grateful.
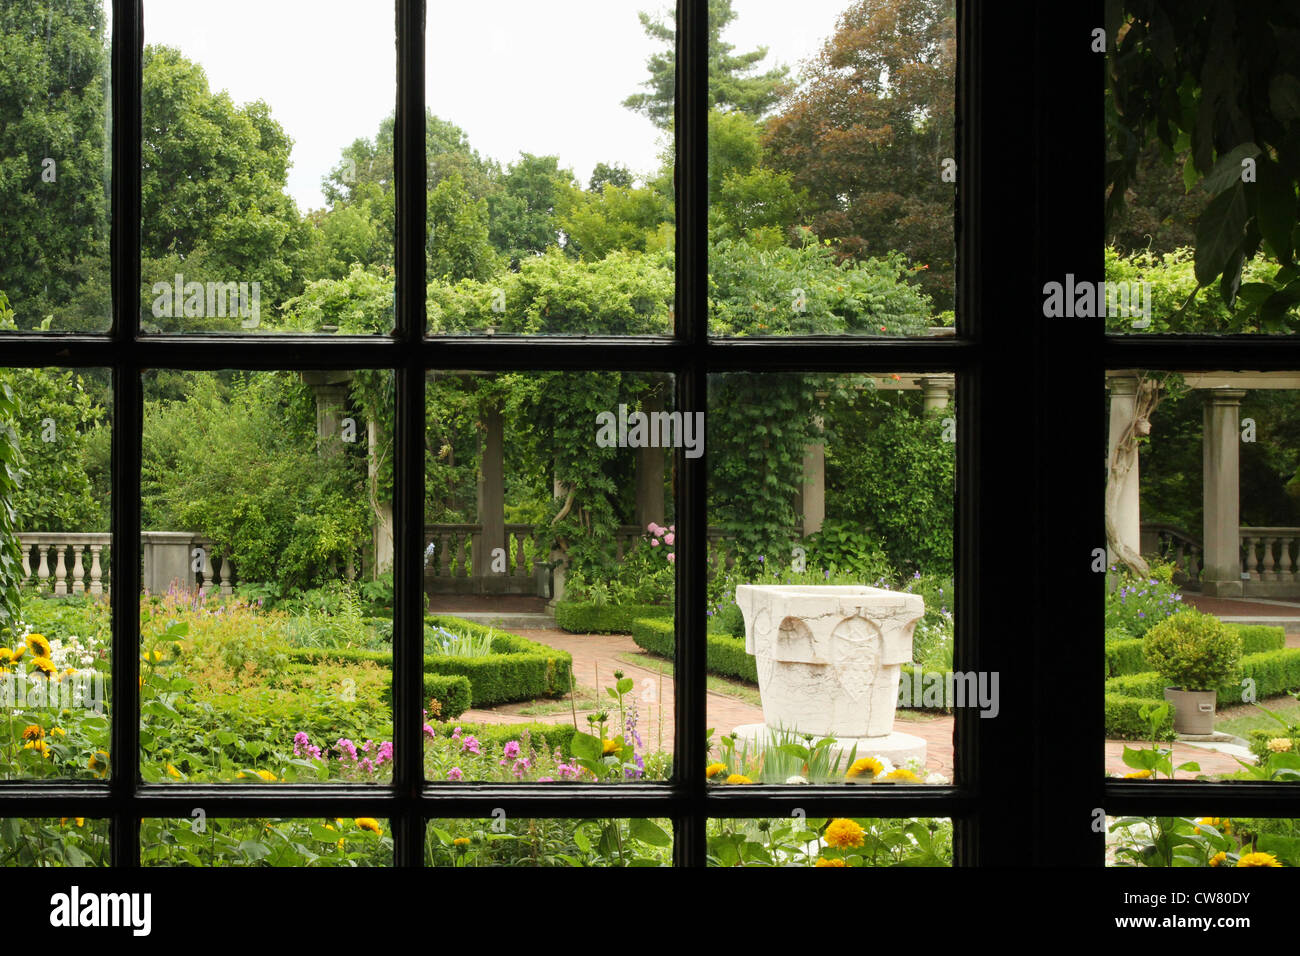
(173, 772)
(902, 775)
(867, 765)
(1223, 824)
(19, 651)
(40, 746)
(608, 747)
(713, 769)
(45, 666)
(738, 778)
(99, 763)
(264, 774)
(39, 646)
(1258, 859)
(842, 833)
(6, 655)
(460, 841)
(827, 861)
(369, 823)
(33, 732)
(79, 821)
(1137, 775)
(1218, 858)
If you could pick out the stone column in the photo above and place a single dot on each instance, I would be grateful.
(1221, 574)
(1123, 405)
(491, 491)
(813, 493)
(936, 391)
(331, 391)
(383, 530)
(650, 475)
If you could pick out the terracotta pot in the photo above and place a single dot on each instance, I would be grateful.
(1193, 710)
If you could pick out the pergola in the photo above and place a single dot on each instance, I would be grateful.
(1230, 560)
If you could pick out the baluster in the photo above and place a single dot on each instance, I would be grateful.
(444, 555)
(1284, 573)
(27, 561)
(78, 584)
(96, 572)
(1193, 563)
(462, 563)
(60, 572)
(226, 576)
(43, 572)
(1267, 574)
(521, 570)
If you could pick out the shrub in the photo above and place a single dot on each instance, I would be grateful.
(725, 656)
(1256, 638)
(1137, 605)
(728, 621)
(1148, 684)
(1274, 673)
(548, 736)
(1125, 657)
(1125, 722)
(581, 617)
(451, 691)
(1193, 651)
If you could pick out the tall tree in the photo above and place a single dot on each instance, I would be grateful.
(733, 83)
(869, 131)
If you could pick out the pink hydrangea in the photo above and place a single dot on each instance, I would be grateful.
(672, 558)
(669, 538)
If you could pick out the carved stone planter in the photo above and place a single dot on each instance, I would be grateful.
(829, 660)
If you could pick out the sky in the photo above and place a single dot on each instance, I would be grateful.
(516, 75)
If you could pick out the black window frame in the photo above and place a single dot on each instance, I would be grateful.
(1030, 490)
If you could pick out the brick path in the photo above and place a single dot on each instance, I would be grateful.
(596, 657)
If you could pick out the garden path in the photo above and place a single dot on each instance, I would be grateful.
(597, 656)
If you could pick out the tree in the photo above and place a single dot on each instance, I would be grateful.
(1212, 80)
(869, 131)
(522, 212)
(53, 173)
(458, 240)
(732, 83)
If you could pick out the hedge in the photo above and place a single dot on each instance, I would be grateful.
(725, 656)
(911, 674)
(452, 692)
(579, 617)
(1124, 720)
(1274, 672)
(519, 669)
(1124, 656)
(542, 736)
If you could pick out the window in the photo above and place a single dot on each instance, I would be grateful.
(1025, 513)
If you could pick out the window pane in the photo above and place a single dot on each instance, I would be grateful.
(1202, 841)
(268, 190)
(832, 168)
(55, 173)
(199, 841)
(549, 538)
(266, 624)
(1202, 623)
(831, 591)
(500, 841)
(799, 840)
(53, 841)
(550, 213)
(55, 571)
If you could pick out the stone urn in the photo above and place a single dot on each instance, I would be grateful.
(829, 661)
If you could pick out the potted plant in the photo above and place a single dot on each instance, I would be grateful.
(1195, 653)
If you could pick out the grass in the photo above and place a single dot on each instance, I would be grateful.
(1240, 721)
(719, 685)
(587, 699)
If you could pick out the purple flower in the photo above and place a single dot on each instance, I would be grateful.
(511, 750)
(385, 754)
(567, 771)
(470, 745)
(455, 773)
(347, 748)
(546, 780)
(428, 731)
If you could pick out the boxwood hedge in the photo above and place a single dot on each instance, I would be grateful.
(725, 655)
(578, 617)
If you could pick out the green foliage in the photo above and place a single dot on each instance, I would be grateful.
(1193, 651)
(842, 548)
(798, 842)
(725, 655)
(1125, 657)
(11, 570)
(458, 239)
(578, 617)
(1273, 672)
(1124, 720)
(544, 736)
(1136, 605)
(523, 211)
(518, 669)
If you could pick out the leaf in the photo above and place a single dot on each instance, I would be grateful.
(1276, 208)
(1228, 168)
(585, 746)
(647, 831)
(1219, 232)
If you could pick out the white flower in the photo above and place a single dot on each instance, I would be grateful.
(936, 778)
(796, 779)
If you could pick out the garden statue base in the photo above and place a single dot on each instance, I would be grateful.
(829, 660)
(898, 748)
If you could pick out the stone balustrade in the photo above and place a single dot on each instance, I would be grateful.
(449, 561)
(1270, 565)
(80, 562)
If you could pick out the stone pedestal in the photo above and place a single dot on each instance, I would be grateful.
(829, 661)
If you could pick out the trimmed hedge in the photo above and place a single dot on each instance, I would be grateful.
(1149, 685)
(579, 617)
(1123, 720)
(451, 691)
(725, 655)
(542, 736)
(1274, 672)
(1124, 656)
(911, 673)
(518, 669)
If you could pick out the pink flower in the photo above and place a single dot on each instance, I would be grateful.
(654, 529)
(455, 734)
(347, 748)
(512, 750)
(428, 731)
(546, 780)
(455, 773)
(385, 754)
(668, 538)
(654, 542)
(567, 771)
(672, 558)
(470, 745)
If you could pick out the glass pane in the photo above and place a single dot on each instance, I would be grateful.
(549, 215)
(55, 141)
(1202, 841)
(799, 840)
(831, 590)
(832, 169)
(53, 841)
(266, 623)
(1200, 197)
(500, 841)
(268, 188)
(549, 537)
(55, 571)
(1202, 634)
(200, 841)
